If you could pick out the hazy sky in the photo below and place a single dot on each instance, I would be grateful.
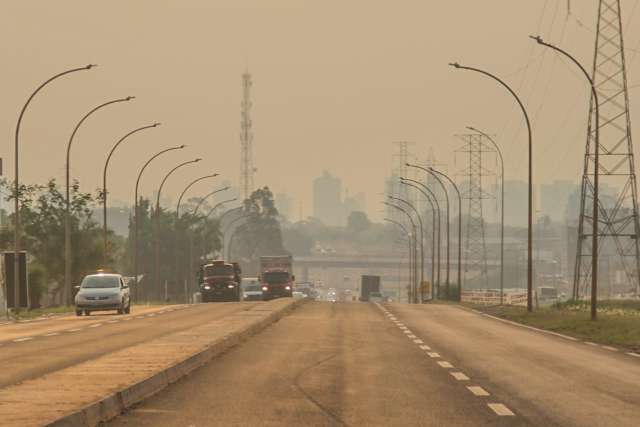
(335, 82)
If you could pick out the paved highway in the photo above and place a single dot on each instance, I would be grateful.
(355, 364)
(32, 349)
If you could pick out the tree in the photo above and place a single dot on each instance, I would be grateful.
(42, 213)
(260, 233)
(358, 222)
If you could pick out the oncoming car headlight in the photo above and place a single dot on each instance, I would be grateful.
(231, 286)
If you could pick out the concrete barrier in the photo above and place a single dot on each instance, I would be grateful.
(237, 327)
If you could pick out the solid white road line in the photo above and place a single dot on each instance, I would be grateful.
(425, 347)
(433, 355)
(445, 364)
(477, 390)
(52, 334)
(459, 376)
(609, 348)
(96, 325)
(500, 409)
(23, 339)
(74, 330)
(634, 354)
(591, 343)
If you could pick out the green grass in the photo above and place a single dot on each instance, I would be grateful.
(37, 312)
(618, 322)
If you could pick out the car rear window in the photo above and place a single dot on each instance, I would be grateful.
(100, 282)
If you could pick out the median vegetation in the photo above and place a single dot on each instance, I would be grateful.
(618, 322)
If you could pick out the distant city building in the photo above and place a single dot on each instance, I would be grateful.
(354, 203)
(284, 204)
(327, 200)
(554, 198)
(516, 202)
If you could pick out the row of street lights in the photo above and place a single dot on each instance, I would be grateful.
(66, 294)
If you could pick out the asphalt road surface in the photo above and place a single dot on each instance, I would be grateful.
(332, 364)
(32, 349)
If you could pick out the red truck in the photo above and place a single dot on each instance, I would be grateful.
(276, 276)
(220, 281)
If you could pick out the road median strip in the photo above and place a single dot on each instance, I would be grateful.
(98, 390)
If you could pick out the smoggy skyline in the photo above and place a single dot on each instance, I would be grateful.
(335, 83)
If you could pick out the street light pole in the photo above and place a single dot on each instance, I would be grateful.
(67, 218)
(459, 229)
(104, 189)
(431, 198)
(178, 220)
(415, 245)
(596, 172)
(501, 209)
(157, 218)
(413, 208)
(137, 213)
(16, 182)
(404, 229)
(530, 178)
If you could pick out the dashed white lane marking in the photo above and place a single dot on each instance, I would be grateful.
(128, 318)
(74, 330)
(97, 325)
(477, 390)
(139, 317)
(634, 354)
(151, 314)
(425, 347)
(445, 364)
(408, 332)
(51, 334)
(402, 327)
(23, 339)
(113, 321)
(591, 343)
(459, 376)
(433, 355)
(418, 341)
(500, 409)
(609, 348)
(411, 337)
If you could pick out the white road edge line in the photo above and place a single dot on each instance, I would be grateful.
(520, 325)
(609, 348)
(74, 330)
(51, 334)
(634, 354)
(96, 325)
(23, 339)
(500, 409)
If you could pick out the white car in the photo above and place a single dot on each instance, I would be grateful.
(102, 292)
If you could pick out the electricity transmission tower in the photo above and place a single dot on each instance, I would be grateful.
(400, 169)
(247, 169)
(618, 220)
(475, 247)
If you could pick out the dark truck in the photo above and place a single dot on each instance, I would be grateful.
(369, 285)
(220, 281)
(276, 276)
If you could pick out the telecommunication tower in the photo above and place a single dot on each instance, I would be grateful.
(618, 225)
(475, 148)
(247, 169)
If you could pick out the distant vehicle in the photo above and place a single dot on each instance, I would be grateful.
(276, 276)
(220, 281)
(332, 295)
(102, 292)
(251, 289)
(376, 297)
(298, 295)
(307, 289)
(368, 285)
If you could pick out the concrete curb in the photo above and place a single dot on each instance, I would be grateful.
(113, 405)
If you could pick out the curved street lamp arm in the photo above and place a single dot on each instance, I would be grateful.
(399, 224)
(167, 177)
(149, 161)
(187, 189)
(202, 199)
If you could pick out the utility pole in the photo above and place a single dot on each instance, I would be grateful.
(476, 249)
(617, 223)
(247, 170)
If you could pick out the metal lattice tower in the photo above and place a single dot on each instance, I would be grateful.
(247, 169)
(400, 169)
(475, 246)
(618, 221)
